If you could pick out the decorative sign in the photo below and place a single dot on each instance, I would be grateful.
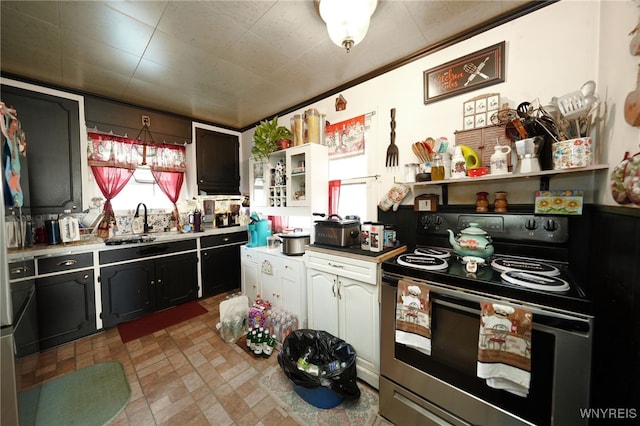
(480, 69)
(346, 138)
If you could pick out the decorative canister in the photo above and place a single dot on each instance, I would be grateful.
(389, 235)
(376, 236)
(500, 204)
(297, 128)
(365, 229)
(572, 153)
(312, 121)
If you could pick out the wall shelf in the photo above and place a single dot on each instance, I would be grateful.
(544, 176)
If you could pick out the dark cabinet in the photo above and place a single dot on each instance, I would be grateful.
(221, 262)
(66, 307)
(218, 162)
(177, 280)
(51, 175)
(127, 292)
(159, 280)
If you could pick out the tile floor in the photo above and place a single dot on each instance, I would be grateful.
(185, 374)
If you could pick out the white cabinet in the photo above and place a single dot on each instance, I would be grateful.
(343, 301)
(249, 272)
(305, 187)
(280, 279)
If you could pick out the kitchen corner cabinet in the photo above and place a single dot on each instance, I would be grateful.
(305, 189)
(343, 300)
(148, 278)
(217, 162)
(220, 262)
(278, 278)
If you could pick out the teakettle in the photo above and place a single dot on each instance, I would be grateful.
(472, 241)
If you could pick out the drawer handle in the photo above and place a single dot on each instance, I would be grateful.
(19, 270)
(226, 239)
(68, 262)
(336, 266)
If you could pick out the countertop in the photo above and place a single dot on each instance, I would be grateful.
(95, 243)
(358, 253)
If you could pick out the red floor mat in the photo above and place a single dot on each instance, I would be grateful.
(135, 329)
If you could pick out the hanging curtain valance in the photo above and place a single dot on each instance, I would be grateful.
(106, 150)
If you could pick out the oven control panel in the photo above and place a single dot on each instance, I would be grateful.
(505, 227)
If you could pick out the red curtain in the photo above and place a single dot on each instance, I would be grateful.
(334, 196)
(170, 183)
(110, 180)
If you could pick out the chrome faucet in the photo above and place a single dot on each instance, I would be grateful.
(146, 224)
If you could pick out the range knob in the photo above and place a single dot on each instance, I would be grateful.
(551, 225)
(531, 224)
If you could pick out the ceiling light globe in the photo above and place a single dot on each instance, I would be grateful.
(347, 21)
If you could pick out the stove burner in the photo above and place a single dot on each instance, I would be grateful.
(423, 262)
(535, 281)
(524, 265)
(433, 252)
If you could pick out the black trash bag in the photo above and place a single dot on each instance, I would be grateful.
(332, 358)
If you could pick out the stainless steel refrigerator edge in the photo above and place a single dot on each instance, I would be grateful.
(8, 392)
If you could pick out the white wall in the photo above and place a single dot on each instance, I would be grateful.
(550, 52)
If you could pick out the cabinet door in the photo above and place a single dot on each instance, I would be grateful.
(249, 273)
(127, 291)
(218, 162)
(360, 320)
(176, 280)
(220, 270)
(322, 301)
(66, 307)
(269, 282)
(293, 286)
(51, 178)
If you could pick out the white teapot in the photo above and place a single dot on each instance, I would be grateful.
(498, 160)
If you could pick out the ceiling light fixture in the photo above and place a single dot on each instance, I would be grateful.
(347, 21)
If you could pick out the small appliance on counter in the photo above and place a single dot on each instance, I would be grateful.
(337, 232)
(258, 231)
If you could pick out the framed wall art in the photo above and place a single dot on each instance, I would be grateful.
(477, 112)
(471, 72)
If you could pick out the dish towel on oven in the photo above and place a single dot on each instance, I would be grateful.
(504, 347)
(413, 316)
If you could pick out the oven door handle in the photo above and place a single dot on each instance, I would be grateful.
(550, 319)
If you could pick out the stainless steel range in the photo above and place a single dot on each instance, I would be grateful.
(529, 272)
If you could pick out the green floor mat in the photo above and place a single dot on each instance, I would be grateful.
(93, 395)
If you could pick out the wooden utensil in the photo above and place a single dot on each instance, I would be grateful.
(392, 150)
(632, 105)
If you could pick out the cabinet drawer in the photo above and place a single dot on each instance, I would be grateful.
(222, 239)
(146, 250)
(22, 269)
(47, 265)
(351, 268)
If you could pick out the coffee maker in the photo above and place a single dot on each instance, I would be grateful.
(258, 231)
(527, 150)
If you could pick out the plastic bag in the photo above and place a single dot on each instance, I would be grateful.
(233, 318)
(314, 358)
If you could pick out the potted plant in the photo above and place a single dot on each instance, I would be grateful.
(266, 138)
